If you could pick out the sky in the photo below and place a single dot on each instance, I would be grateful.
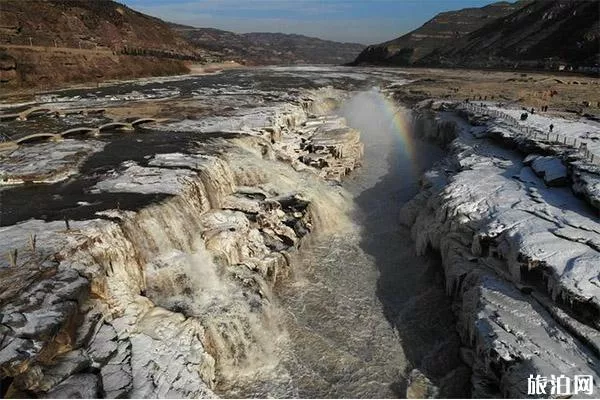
(360, 21)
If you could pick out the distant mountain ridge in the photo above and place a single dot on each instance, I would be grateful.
(528, 34)
(259, 48)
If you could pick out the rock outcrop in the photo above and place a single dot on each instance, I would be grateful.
(520, 259)
(171, 299)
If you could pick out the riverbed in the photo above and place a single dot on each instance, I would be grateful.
(354, 312)
(362, 309)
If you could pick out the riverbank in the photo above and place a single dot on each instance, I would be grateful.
(165, 244)
(28, 93)
(517, 245)
(566, 95)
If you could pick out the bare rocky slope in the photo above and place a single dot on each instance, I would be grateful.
(536, 34)
(48, 43)
(100, 24)
(440, 31)
(264, 48)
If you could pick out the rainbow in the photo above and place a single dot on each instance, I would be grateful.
(401, 124)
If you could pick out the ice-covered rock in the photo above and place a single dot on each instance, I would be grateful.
(572, 144)
(551, 169)
(586, 182)
(578, 129)
(137, 179)
(509, 240)
(168, 299)
(45, 162)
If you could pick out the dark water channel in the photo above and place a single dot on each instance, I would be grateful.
(365, 309)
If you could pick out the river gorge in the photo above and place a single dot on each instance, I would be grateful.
(286, 232)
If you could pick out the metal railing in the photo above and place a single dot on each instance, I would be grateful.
(532, 132)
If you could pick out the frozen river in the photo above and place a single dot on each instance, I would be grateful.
(364, 310)
(356, 314)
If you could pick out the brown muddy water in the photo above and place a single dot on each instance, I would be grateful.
(362, 310)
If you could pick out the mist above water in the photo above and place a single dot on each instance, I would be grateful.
(362, 309)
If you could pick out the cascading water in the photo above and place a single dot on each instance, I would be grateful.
(203, 290)
(361, 309)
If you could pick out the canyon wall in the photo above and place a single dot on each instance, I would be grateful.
(520, 257)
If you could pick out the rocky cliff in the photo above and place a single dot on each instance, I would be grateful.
(527, 34)
(522, 276)
(271, 48)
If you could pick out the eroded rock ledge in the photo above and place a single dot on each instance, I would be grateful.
(520, 255)
(165, 301)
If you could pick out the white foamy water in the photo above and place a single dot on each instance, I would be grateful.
(348, 308)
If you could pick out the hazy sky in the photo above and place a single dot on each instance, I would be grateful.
(362, 21)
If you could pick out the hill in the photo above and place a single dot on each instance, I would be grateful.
(46, 43)
(542, 34)
(527, 34)
(97, 24)
(263, 48)
(440, 31)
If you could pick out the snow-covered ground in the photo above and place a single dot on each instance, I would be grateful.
(585, 131)
(521, 257)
